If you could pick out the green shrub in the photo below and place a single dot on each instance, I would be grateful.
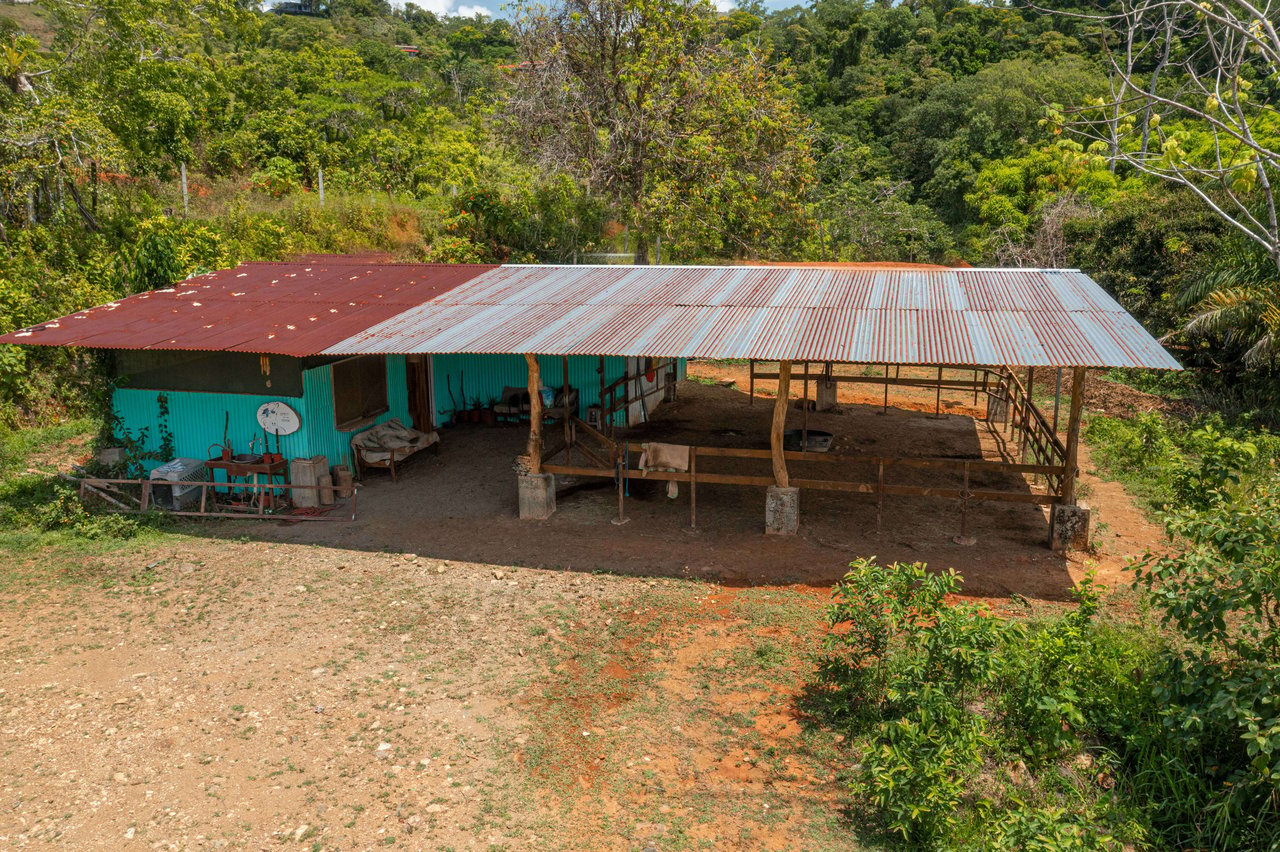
(940, 696)
(1214, 762)
(1073, 678)
(1047, 828)
(901, 657)
(894, 636)
(917, 770)
(64, 512)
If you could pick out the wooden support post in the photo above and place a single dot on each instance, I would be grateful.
(780, 477)
(626, 393)
(600, 398)
(751, 382)
(568, 421)
(885, 408)
(1073, 437)
(1026, 418)
(1057, 399)
(879, 496)
(534, 450)
(804, 424)
(937, 399)
(693, 488)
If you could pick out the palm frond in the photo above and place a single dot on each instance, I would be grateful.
(1237, 301)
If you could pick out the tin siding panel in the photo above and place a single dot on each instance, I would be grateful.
(196, 421)
(317, 393)
(486, 376)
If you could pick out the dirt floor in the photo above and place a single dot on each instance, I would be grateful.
(461, 504)
(439, 675)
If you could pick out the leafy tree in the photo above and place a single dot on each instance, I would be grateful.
(643, 100)
(1192, 102)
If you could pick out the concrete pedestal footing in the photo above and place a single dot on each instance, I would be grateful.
(782, 511)
(537, 496)
(827, 395)
(1069, 527)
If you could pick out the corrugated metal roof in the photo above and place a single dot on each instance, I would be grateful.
(297, 308)
(1023, 317)
(896, 315)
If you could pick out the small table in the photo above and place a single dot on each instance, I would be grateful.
(263, 495)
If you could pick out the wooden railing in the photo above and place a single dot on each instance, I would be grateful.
(619, 396)
(138, 498)
(1011, 408)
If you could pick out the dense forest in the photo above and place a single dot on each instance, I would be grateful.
(924, 131)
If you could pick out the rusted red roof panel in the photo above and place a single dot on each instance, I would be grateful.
(298, 308)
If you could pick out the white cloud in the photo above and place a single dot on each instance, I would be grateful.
(725, 5)
(447, 7)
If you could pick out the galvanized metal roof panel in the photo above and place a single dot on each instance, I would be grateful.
(897, 316)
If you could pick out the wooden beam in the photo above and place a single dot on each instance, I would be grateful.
(534, 451)
(780, 424)
(1073, 437)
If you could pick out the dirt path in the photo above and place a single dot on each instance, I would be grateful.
(199, 694)
(441, 676)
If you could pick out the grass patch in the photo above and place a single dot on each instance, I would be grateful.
(39, 511)
(22, 448)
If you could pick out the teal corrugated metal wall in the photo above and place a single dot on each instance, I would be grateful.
(485, 376)
(317, 396)
(196, 419)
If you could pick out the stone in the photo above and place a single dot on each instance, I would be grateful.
(499, 575)
(111, 456)
(1069, 527)
(301, 832)
(828, 392)
(537, 496)
(782, 511)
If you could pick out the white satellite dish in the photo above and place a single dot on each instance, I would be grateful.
(278, 418)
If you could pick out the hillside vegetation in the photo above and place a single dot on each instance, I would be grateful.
(928, 131)
(1139, 148)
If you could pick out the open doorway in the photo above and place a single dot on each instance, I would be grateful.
(421, 404)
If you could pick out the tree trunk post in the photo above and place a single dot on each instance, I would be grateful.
(1073, 437)
(535, 415)
(536, 490)
(1069, 522)
(782, 502)
(779, 424)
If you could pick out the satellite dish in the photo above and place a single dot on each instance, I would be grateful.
(278, 418)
